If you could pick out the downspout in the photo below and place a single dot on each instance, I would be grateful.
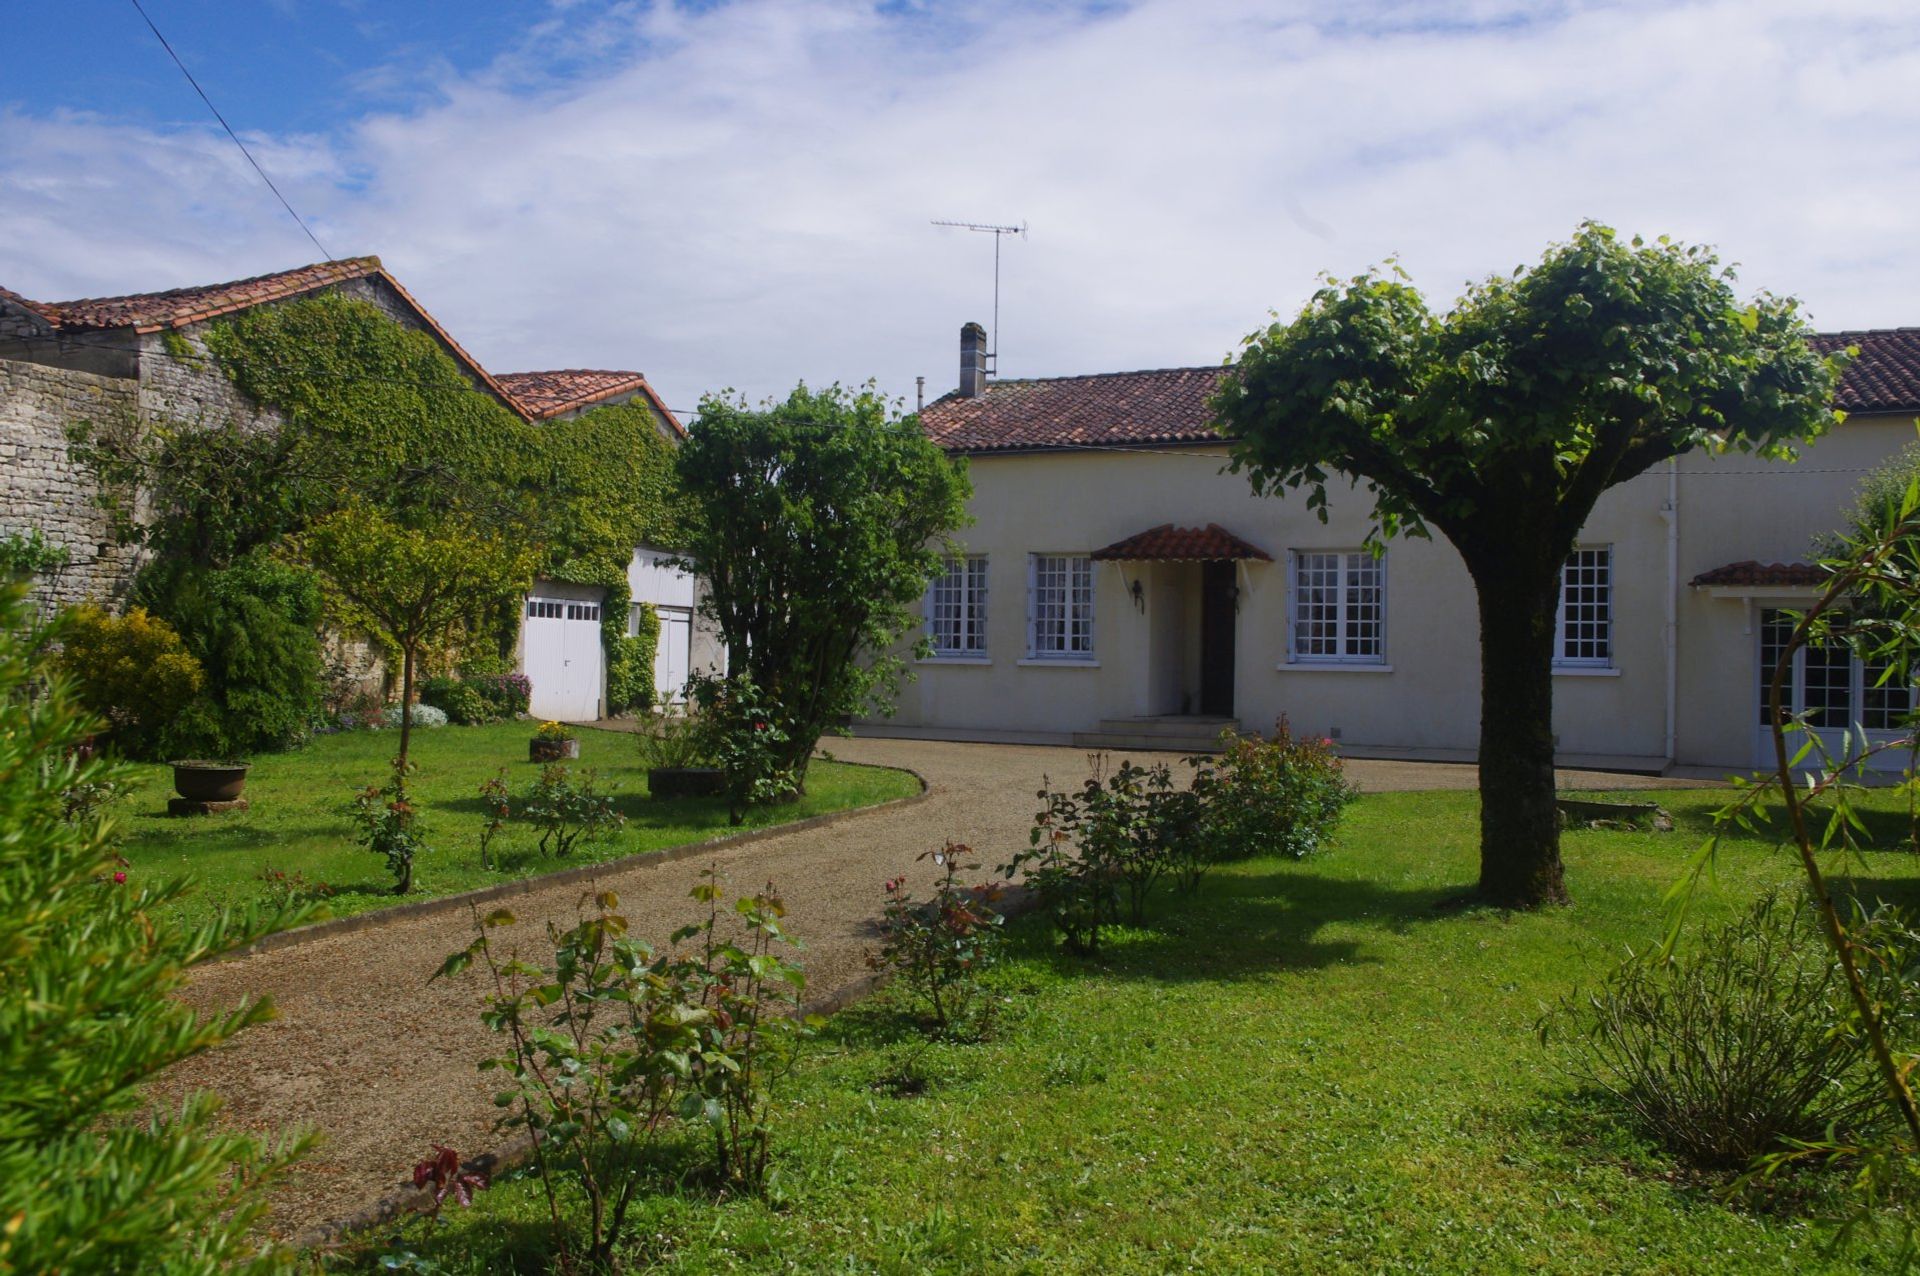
(1670, 633)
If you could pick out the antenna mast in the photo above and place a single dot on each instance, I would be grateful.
(999, 233)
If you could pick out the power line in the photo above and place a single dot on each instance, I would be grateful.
(298, 220)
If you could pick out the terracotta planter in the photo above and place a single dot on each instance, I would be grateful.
(198, 781)
(542, 750)
(686, 781)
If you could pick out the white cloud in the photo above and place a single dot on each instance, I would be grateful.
(740, 196)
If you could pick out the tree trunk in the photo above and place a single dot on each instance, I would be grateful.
(406, 700)
(1519, 826)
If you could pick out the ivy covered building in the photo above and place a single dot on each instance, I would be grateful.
(181, 357)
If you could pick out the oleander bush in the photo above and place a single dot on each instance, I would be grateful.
(94, 1177)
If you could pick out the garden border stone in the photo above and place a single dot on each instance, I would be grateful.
(584, 872)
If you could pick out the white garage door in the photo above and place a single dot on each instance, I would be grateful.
(561, 653)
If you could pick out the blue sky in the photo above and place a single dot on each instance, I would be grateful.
(738, 194)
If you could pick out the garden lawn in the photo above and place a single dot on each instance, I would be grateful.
(1306, 1067)
(300, 822)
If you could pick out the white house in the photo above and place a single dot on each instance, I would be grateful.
(1119, 589)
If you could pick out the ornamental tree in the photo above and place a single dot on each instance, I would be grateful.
(1500, 423)
(817, 523)
(411, 589)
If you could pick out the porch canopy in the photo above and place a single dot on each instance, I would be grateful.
(1169, 544)
(1750, 578)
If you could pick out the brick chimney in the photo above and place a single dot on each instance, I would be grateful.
(973, 361)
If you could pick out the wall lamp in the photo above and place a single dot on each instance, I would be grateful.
(1139, 596)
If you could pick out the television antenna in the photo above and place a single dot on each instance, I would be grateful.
(999, 233)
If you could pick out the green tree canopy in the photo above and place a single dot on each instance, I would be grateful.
(414, 589)
(819, 521)
(1500, 424)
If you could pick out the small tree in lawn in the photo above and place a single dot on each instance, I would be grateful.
(94, 1177)
(1501, 423)
(412, 589)
(818, 523)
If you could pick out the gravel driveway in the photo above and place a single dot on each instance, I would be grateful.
(381, 1062)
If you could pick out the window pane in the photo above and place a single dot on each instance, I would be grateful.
(1365, 606)
(1886, 706)
(1775, 630)
(1586, 607)
(1062, 606)
(1827, 672)
(1316, 613)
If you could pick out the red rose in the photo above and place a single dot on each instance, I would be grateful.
(119, 879)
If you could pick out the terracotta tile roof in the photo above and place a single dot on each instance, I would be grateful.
(1167, 405)
(152, 311)
(178, 307)
(1169, 543)
(545, 395)
(1752, 572)
(1886, 375)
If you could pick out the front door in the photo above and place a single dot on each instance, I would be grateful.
(1218, 601)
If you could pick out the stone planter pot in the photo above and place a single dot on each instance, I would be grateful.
(539, 750)
(208, 788)
(686, 781)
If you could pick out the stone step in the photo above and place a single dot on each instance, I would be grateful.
(1120, 741)
(1184, 727)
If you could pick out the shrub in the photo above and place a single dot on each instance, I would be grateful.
(567, 810)
(424, 715)
(390, 824)
(614, 1037)
(1281, 796)
(94, 1177)
(1106, 846)
(673, 740)
(508, 693)
(1739, 1047)
(742, 732)
(461, 701)
(254, 628)
(131, 671)
(939, 947)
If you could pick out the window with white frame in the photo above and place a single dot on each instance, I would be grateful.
(957, 607)
(1059, 607)
(1827, 683)
(1339, 608)
(1583, 625)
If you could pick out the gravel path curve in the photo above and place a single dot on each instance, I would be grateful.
(381, 1062)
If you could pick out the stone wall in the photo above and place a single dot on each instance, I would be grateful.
(42, 489)
(183, 385)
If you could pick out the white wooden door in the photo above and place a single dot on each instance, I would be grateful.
(672, 657)
(561, 652)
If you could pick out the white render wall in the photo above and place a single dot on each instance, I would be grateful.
(1425, 701)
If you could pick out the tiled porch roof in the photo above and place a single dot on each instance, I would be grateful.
(545, 395)
(1751, 572)
(1167, 543)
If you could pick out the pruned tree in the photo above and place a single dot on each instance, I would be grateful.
(817, 523)
(1501, 423)
(411, 589)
